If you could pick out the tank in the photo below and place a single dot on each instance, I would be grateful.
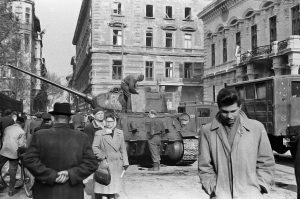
(179, 144)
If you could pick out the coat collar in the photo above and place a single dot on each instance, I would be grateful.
(220, 130)
(61, 125)
(243, 122)
(113, 141)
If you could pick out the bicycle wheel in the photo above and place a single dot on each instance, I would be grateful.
(27, 181)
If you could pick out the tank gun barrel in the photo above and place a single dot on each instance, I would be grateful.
(88, 98)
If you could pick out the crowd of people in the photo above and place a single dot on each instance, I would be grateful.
(62, 149)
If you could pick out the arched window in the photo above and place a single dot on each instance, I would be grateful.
(249, 13)
(267, 4)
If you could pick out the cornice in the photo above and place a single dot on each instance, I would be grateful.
(216, 7)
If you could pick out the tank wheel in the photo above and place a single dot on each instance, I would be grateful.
(174, 152)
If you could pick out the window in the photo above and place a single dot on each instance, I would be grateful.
(149, 70)
(27, 15)
(169, 69)
(250, 92)
(149, 10)
(203, 112)
(224, 50)
(117, 69)
(149, 38)
(187, 41)
(117, 8)
(188, 13)
(241, 92)
(27, 42)
(169, 38)
(253, 37)
(261, 91)
(238, 39)
(117, 37)
(273, 33)
(169, 12)
(295, 89)
(213, 54)
(188, 67)
(296, 20)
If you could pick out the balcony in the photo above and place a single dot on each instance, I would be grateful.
(291, 44)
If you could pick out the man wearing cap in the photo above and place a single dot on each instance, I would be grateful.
(60, 158)
(36, 122)
(95, 125)
(128, 85)
(154, 139)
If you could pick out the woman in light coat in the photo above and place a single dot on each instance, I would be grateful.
(109, 146)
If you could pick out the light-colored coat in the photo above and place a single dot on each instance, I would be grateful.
(14, 137)
(244, 167)
(114, 150)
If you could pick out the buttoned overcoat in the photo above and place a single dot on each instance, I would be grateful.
(112, 149)
(56, 149)
(235, 172)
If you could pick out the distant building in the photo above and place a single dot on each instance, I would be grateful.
(29, 56)
(160, 39)
(249, 39)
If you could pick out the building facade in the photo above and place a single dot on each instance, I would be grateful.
(249, 39)
(28, 55)
(160, 39)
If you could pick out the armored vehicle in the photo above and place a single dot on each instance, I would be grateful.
(179, 145)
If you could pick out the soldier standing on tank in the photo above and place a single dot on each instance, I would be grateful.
(128, 85)
(154, 140)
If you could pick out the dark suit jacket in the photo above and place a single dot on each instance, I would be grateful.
(56, 149)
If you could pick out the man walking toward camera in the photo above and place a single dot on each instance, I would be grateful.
(235, 155)
(60, 158)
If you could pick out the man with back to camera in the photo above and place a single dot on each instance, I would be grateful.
(235, 155)
(60, 158)
(128, 85)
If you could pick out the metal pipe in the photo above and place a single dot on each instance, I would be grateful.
(85, 96)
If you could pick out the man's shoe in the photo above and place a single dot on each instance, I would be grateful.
(155, 167)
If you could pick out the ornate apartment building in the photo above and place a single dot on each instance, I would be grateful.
(161, 39)
(249, 39)
(28, 56)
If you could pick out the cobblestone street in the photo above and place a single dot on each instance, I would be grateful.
(174, 182)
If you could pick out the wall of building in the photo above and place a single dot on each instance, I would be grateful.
(133, 23)
(237, 11)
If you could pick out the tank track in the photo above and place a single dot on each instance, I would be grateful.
(190, 152)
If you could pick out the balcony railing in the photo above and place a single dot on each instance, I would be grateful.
(258, 51)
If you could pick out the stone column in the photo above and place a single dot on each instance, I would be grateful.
(294, 69)
(239, 74)
(278, 66)
(250, 71)
(294, 62)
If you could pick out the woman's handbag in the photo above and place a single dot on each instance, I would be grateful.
(102, 175)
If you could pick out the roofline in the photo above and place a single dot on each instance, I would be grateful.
(80, 21)
(210, 7)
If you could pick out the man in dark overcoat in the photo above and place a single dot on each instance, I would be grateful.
(60, 158)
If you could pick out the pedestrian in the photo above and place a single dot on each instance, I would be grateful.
(14, 138)
(5, 121)
(36, 122)
(154, 139)
(60, 158)
(77, 120)
(109, 146)
(96, 124)
(235, 155)
(128, 85)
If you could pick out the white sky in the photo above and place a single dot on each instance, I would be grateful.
(58, 18)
